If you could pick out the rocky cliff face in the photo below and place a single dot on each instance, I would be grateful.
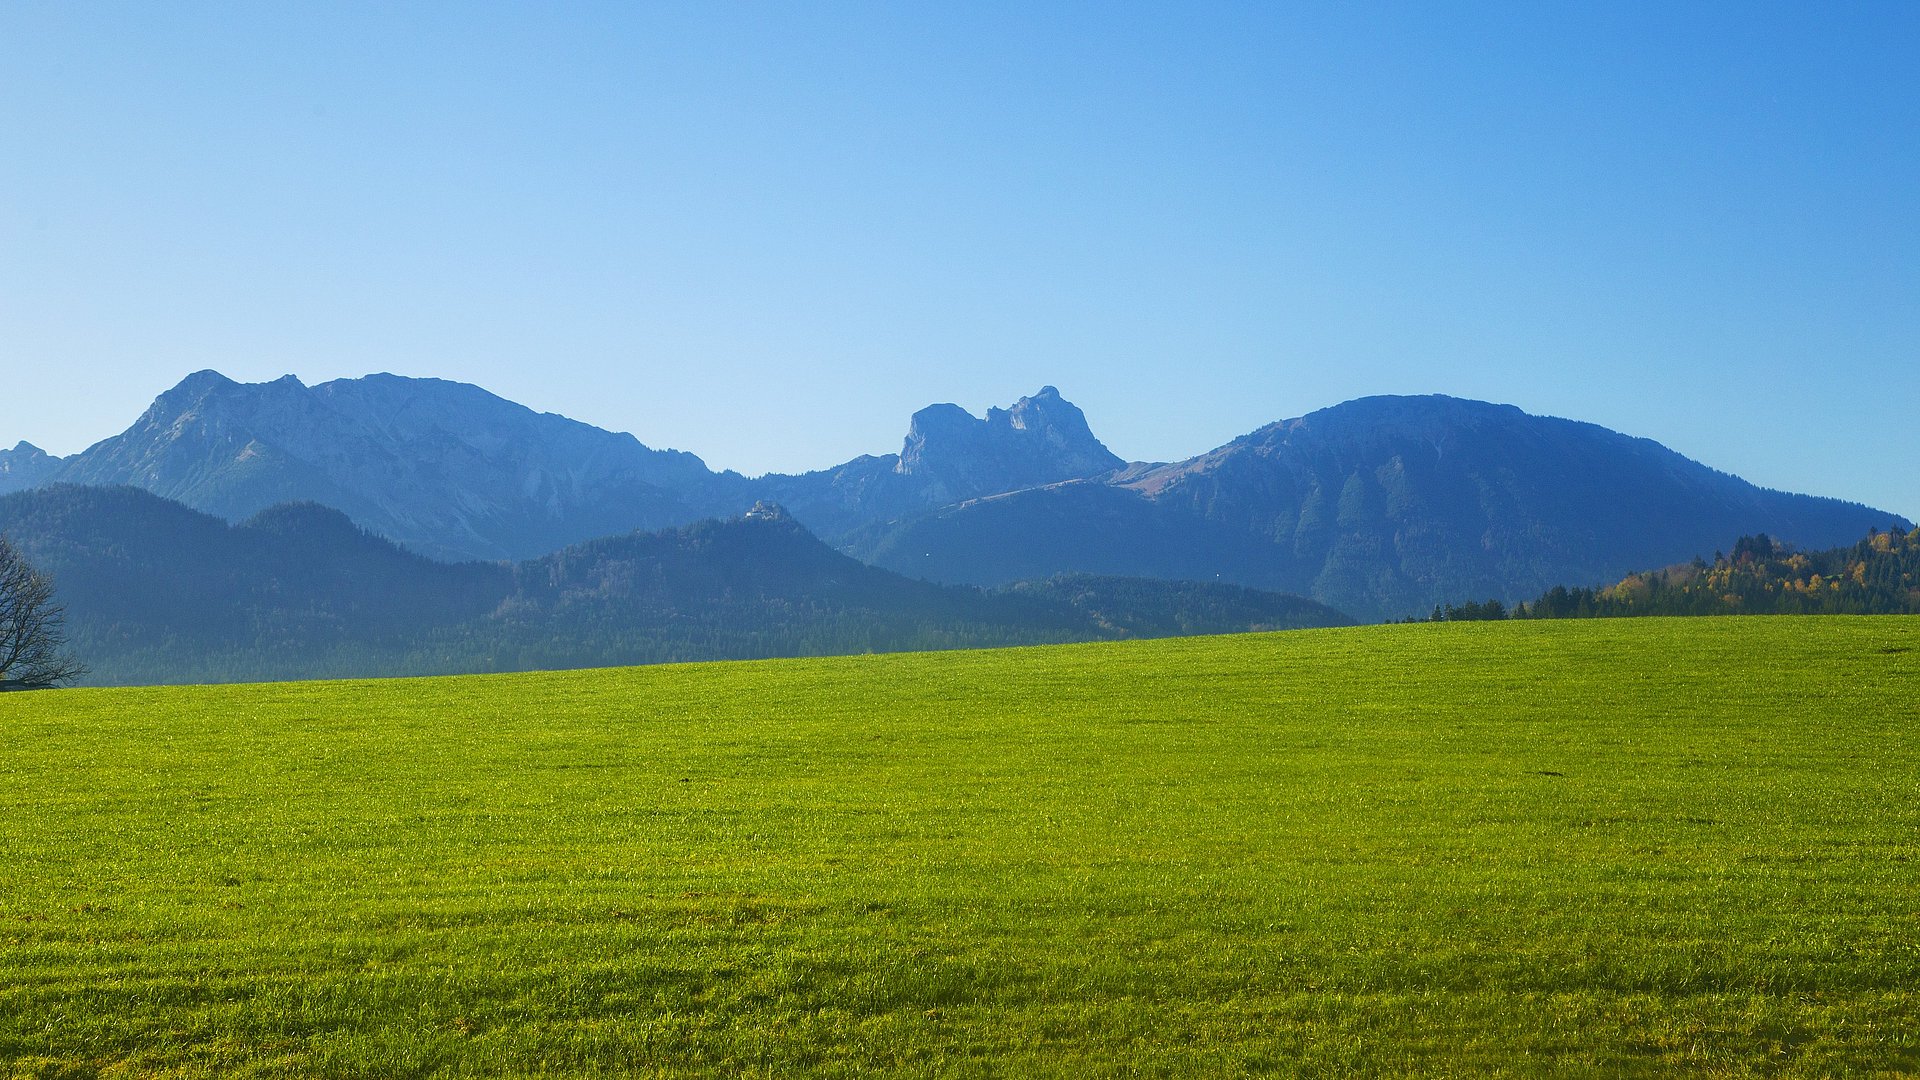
(1042, 439)
(950, 456)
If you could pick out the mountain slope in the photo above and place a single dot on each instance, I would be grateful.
(446, 469)
(1380, 507)
(451, 471)
(158, 592)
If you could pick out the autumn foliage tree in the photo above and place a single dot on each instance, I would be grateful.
(1877, 576)
(33, 647)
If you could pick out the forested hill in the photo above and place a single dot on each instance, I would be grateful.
(159, 592)
(1880, 575)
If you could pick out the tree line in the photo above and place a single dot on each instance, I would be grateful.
(1880, 575)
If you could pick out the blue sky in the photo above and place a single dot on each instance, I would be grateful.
(768, 233)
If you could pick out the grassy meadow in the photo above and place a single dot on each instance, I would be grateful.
(1584, 848)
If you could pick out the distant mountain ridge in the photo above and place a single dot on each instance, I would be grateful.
(454, 472)
(441, 467)
(1381, 506)
(158, 592)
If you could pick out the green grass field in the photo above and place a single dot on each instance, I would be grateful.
(1636, 847)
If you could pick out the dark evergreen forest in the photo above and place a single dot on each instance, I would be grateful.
(158, 592)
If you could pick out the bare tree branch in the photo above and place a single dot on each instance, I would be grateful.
(33, 642)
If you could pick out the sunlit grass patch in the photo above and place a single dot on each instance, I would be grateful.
(1579, 848)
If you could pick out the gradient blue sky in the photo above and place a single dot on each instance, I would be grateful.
(767, 233)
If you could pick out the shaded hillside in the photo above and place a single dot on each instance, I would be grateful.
(149, 583)
(763, 586)
(1381, 507)
(158, 592)
(757, 586)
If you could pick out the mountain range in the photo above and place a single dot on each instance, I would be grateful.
(157, 592)
(1381, 507)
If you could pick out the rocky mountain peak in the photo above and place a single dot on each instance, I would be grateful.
(24, 466)
(1061, 425)
(445, 468)
(1041, 439)
(1044, 409)
(199, 383)
(208, 393)
(936, 421)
